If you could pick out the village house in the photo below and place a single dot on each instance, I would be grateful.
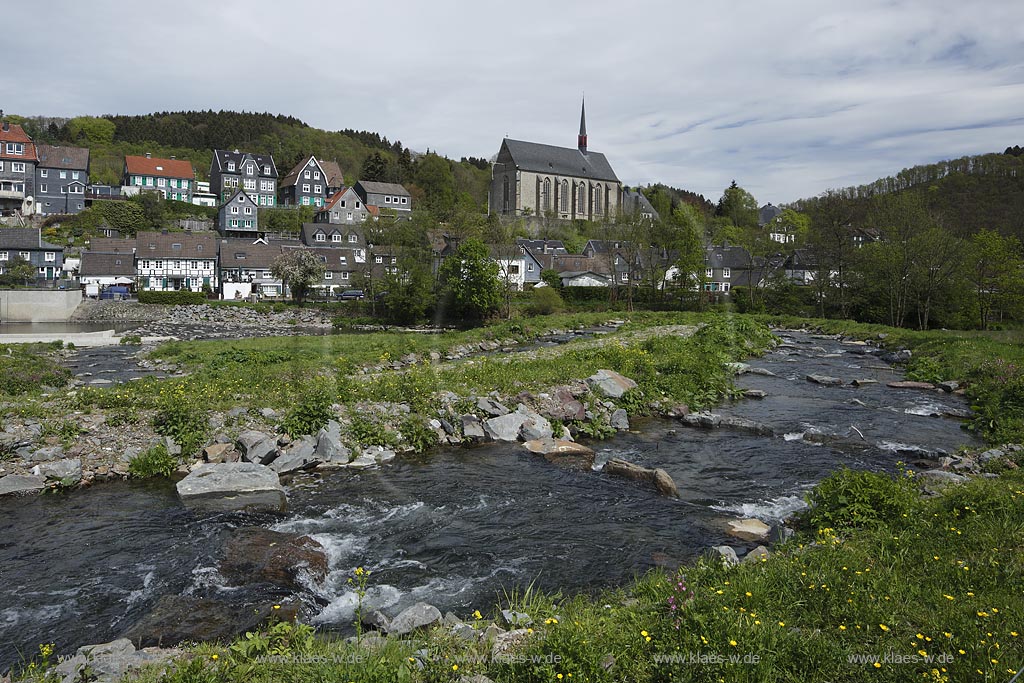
(329, 235)
(172, 261)
(384, 196)
(343, 207)
(62, 177)
(256, 174)
(304, 185)
(26, 244)
(335, 178)
(173, 178)
(533, 179)
(239, 216)
(18, 161)
(245, 267)
(108, 261)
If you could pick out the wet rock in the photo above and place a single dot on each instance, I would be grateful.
(270, 414)
(232, 486)
(764, 372)
(863, 382)
(220, 452)
(179, 618)
(619, 420)
(257, 555)
(738, 368)
(824, 380)
(610, 384)
(940, 478)
(301, 456)
(534, 426)
(743, 424)
(755, 393)
(172, 446)
(376, 619)
(910, 385)
(949, 386)
(67, 471)
(659, 478)
(472, 429)
(901, 356)
(678, 411)
(749, 529)
(329, 448)
(21, 483)
(364, 461)
(562, 452)
(563, 405)
(702, 419)
(419, 615)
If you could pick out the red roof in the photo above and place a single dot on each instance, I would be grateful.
(166, 168)
(16, 133)
(334, 199)
(374, 211)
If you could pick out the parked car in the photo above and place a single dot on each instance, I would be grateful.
(350, 294)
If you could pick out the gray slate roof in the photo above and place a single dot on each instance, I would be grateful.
(533, 156)
(99, 264)
(71, 158)
(242, 253)
(24, 238)
(369, 187)
(162, 245)
(222, 156)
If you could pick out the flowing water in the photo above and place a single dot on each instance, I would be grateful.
(458, 527)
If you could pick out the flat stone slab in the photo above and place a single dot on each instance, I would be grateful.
(21, 483)
(910, 385)
(749, 529)
(610, 383)
(557, 446)
(232, 486)
(824, 380)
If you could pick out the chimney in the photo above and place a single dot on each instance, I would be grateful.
(173, 157)
(148, 155)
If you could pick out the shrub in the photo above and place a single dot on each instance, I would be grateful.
(418, 434)
(132, 339)
(858, 498)
(310, 411)
(179, 416)
(155, 462)
(546, 300)
(179, 298)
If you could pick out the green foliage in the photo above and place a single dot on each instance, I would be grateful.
(154, 462)
(130, 339)
(545, 301)
(470, 281)
(310, 410)
(300, 270)
(925, 369)
(91, 130)
(180, 415)
(418, 434)
(25, 369)
(857, 498)
(179, 298)
(365, 431)
(66, 430)
(17, 272)
(635, 403)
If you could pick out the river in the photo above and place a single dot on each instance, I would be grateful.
(458, 527)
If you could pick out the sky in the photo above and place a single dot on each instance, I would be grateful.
(788, 98)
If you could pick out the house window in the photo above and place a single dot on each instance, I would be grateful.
(15, 148)
(266, 170)
(18, 166)
(726, 272)
(77, 189)
(63, 175)
(161, 182)
(234, 210)
(42, 172)
(625, 277)
(159, 265)
(513, 269)
(42, 188)
(250, 183)
(349, 217)
(248, 222)
(405, 200)
(184, 184)
(3, 255)
(709, 272)
(529, 267)
(250, 169)
(335, 237)
(316, 175)
(231, 166)
(725, 286)
(378, 259)
(248, 211)
(344, 276)
(394, 259)
(318, 189)
(25, 255)
(320, 237)
(358, 205)
(306, 175)
(74, 175)
(305, 201)
(305, 188)
(387, 199)
(342, 203)
(234, 222)
(328, 275)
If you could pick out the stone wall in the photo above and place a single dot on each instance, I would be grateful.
(38, 306)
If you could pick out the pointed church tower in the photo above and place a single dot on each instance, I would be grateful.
(582, 140)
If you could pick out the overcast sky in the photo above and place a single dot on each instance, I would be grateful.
(789, 98)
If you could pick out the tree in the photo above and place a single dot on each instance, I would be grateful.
(739, 206)
(18, 272)
(406, 292)
(996, 272)
(375, 168)
(91, 130)
(832, 251)
(299, 270)
(434, 175)
(469, 280)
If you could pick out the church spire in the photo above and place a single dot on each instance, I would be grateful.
(582, 140)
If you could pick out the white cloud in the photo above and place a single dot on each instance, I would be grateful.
(789, 98)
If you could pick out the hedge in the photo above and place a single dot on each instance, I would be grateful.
(179, 298)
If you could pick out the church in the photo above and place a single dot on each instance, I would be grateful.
(532, 179)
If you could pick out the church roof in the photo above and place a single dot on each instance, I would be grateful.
(533, 156)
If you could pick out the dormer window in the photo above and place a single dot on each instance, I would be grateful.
(231, 166)
(352, 239)
(266, 170)
(250, 169)
(335, 237)
(320, 237)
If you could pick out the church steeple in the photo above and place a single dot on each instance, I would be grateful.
(582, 140)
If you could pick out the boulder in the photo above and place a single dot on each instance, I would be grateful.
(329, 448)
(562, 452)
(659, 478)
(726, 554)
(364, 461)
(610, 384)
(179, 618)
(492, 407)
(232, 486)
(941, 477)
(534, 426)
(749, 529)
(562, 405)
(863, 382)
(949, 386)
(755, 393)
(738, 368)
(21, 483)
(69, 470)
(756, 555)
(46, 453)
(257, 447)
(419, 615)
(108, 662)
(619, 420)
(220, 452)
(301, 456)
(824, 380)
(472, 429)
(506, 642)
(257, 555)
(910, 385)
(505, 427)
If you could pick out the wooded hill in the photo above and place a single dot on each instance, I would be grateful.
(192, 135)
(965, 195)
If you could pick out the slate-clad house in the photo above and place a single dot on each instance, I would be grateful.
(305, 185)
(171, 261)
(254, 173)
(18, 161)
(62, 176)
(173, 178)
(107, 268)
(384, 196)
(345, 207)
(634, 201)
(27, 244)
(335, 178)
(245, 267)
(238, 216)
(528, 178)
(330, 235)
